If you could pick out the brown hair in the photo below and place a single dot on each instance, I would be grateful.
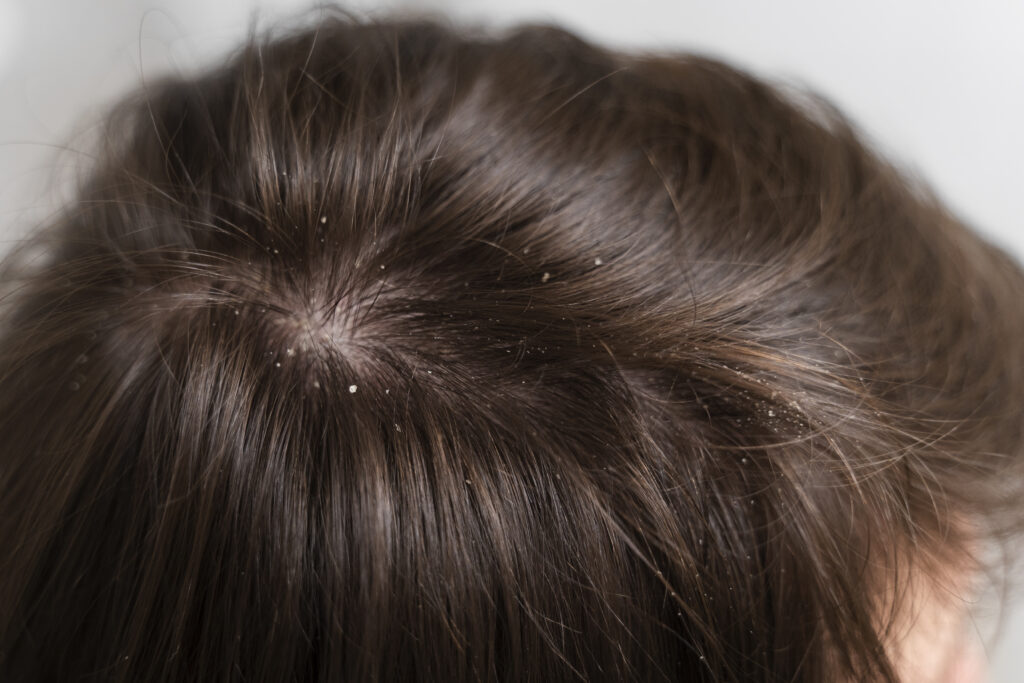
(390, 351)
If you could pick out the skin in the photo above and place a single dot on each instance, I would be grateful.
(941, 649)
(939, 644)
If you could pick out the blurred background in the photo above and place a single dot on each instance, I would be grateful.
(936, 86)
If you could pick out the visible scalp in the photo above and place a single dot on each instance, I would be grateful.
(420, 354)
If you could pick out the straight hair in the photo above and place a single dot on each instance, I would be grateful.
(395, 351)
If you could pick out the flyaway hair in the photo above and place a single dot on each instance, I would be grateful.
(391, 351)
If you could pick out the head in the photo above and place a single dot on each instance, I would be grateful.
(389, 351)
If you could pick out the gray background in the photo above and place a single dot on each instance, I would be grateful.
(937, 86)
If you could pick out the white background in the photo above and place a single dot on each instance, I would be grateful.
(937, 86)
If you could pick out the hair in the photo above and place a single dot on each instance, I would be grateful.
(388, 350)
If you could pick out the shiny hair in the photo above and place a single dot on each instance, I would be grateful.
(389, 350)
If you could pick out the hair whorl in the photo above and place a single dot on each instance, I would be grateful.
(389, 352)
